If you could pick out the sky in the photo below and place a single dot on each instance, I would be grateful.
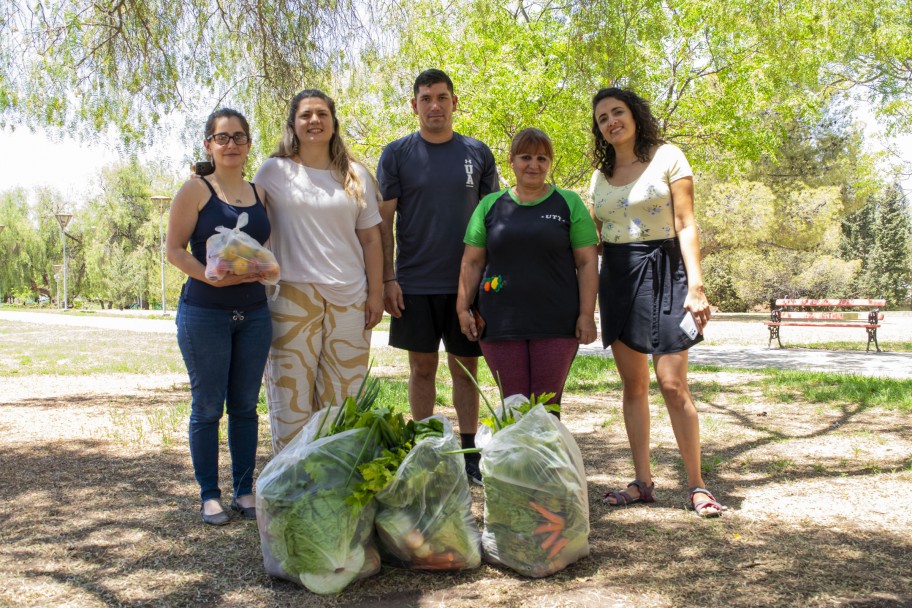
(31, 160)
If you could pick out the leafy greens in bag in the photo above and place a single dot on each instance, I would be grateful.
(311, 530)
(424, 515)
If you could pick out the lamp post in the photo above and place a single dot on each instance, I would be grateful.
(57, 268)
(162, 201)
(63, 219)
(1, 289)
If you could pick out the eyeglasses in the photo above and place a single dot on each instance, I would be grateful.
(221, 139)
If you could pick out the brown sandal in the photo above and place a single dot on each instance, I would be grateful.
(622, 498)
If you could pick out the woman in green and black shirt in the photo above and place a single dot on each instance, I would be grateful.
(530, 258)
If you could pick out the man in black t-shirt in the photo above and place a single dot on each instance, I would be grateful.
(431, 182)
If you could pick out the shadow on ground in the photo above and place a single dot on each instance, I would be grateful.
(89, 525)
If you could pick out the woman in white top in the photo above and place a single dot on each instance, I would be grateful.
(323, 206)
(650, 283)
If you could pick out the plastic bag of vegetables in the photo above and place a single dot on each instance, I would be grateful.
(536, 516)
(424, 515)
(310, 531)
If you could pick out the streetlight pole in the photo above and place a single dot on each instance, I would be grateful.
(57, 268)
(162, 201)
(1, 288)
(63, 219)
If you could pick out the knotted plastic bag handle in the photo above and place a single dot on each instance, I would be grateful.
(242, 221)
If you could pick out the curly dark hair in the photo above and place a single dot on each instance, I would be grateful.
(647, 129)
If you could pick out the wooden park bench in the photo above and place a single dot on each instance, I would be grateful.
(790, 312)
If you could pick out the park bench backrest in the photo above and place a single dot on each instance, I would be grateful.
(829, 316)
(834, 302)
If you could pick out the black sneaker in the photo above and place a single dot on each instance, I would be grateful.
(472, 469)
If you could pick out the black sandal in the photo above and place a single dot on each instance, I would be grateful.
(622, 498)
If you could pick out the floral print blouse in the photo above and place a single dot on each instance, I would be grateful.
(640, 210)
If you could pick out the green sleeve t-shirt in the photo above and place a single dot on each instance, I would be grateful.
(529, 288)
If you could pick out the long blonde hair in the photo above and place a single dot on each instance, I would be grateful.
(342, 161)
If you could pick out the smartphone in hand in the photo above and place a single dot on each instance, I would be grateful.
(689, 326)
(203, 168)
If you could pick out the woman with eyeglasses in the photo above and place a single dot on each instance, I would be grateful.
(326, 238)
(223, 326)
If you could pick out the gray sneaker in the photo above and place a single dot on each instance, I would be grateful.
(472, 469)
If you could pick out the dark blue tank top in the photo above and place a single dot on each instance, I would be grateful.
(216, 212)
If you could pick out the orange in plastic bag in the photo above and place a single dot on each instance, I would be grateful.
(231, 250)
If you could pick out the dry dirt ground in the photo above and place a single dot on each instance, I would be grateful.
(99, 508)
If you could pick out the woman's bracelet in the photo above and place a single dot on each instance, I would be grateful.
(388, 280)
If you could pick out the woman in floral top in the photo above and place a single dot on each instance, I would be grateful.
(650, 280)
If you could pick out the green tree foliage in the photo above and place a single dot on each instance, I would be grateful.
(22, 251)
(87, 65)
(747, 278)
(48, 203)
(121, 226)
(31, 244)
(114, 274)
(726, 80)
(115, 224)
(879, 236)
(113, 241)
(878, 62)
(748, 89)
(772, 231)
(725, 77)
(734, 214)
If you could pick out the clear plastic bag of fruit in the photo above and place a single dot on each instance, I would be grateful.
(231, 250)
(424, 516)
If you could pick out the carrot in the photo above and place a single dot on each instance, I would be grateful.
(453, 565)
(552, 517)
(556, 547)
(441, 558)
(548, 528)
(551, 539)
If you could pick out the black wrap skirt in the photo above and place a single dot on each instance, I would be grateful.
(642, 288)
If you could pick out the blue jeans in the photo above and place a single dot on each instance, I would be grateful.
(225, 353)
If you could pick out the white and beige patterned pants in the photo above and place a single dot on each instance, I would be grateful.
(319, 356)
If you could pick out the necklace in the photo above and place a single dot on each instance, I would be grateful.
(237, 201)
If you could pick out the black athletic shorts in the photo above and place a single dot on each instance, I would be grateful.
(425, 321)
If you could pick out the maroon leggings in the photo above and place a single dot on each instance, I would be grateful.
(531, 366)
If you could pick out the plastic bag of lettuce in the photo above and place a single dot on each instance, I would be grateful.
(424, 515)
(310, 530)
(536, 516)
